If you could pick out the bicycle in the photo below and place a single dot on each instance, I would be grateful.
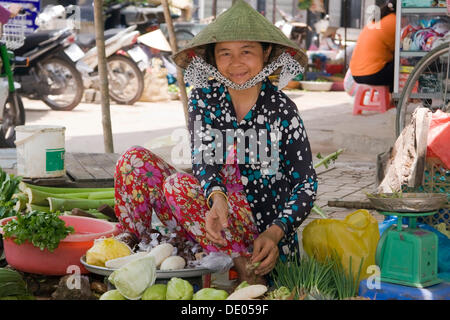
(427, 86)
(12, 112)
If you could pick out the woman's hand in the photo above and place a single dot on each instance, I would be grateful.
(217, 219)
(265, 249)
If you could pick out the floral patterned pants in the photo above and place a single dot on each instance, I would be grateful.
(145, 183)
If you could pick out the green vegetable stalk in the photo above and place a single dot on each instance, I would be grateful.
(23, 186)
(57, 204)
(325, 162)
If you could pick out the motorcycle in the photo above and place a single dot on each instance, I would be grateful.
(126, 64)
(126, 61)
(51, 75)
(12, 112)
(294, 30)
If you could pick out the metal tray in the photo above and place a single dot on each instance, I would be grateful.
(408, 202)
(183, 273)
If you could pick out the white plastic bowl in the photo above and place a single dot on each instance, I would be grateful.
(316, 85)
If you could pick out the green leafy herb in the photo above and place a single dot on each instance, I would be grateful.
(9, 185)
(43, 230)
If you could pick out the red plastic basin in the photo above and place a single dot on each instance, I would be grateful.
(31, 259)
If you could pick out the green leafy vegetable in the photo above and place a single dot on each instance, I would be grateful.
(179, 289)
(328, 159)
(155, 292)
(210, 294)
(43, 230)
(9, 185)
(112, 295)
(325, 162)
(134, 277)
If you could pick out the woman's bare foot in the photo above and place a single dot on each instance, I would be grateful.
(245, 273)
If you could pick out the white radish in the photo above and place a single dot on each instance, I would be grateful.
(173, 263)
(161, 252)
(120, 262)
(250, 292)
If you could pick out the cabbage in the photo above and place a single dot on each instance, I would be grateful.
(133, 278)
(179, 289)
(155, 292)
(112, 295)
(210, 294)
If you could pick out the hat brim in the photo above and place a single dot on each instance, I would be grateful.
(240, 23)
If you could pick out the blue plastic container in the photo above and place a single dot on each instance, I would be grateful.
(390, 291)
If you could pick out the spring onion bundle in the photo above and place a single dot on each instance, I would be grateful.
(312, 279)
(60, 199)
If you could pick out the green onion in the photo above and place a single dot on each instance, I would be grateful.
(101, 195)
(23, 186)
(39, 197)
(58, 204)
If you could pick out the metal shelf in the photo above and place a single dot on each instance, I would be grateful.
(413, 53)
(438, 10)
(402, 12)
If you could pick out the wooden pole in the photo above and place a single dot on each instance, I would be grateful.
(274, 12)
(174, 46)
(103, 73)
(214, 8)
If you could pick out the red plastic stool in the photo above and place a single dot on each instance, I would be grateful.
(379, 99)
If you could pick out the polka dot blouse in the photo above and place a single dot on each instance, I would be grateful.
(272, 150)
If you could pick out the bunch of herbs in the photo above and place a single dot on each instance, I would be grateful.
(43, 230)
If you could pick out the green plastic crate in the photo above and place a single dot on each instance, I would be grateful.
(436, 180)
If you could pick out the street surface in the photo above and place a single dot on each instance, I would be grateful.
(327, 116)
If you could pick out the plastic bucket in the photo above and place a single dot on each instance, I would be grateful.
(40, 151)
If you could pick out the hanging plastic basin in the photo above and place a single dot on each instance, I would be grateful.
(66, 258)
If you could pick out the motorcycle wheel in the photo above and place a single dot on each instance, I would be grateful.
(126, 82)
(65, 85)
(8, 123)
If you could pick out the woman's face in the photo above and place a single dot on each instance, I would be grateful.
(240, 61)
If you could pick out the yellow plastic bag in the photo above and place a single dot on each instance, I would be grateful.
(356, 236)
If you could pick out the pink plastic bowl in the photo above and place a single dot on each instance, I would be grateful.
(28, 258)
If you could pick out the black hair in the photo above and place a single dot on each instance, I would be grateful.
(209, 54)
(386, 7)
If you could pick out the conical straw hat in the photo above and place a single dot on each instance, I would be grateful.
(155, 39)
(240, 23)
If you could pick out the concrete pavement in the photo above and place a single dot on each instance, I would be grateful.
(327, 116)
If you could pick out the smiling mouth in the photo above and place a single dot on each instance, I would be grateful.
(238, 75)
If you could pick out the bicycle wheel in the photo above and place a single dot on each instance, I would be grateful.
(427, 86)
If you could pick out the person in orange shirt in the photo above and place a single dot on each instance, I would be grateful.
(372, 61)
